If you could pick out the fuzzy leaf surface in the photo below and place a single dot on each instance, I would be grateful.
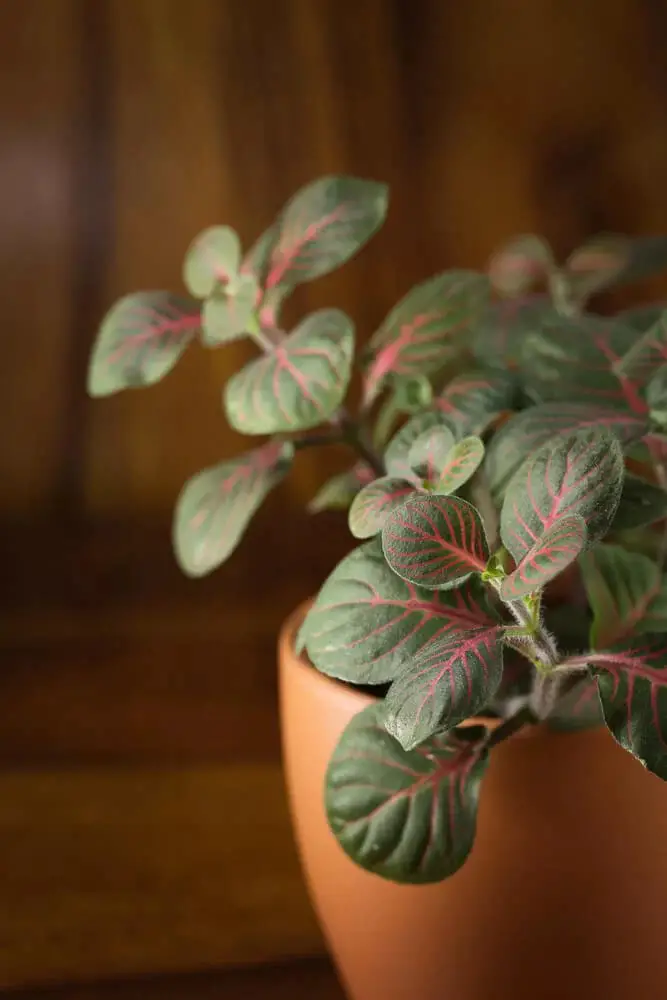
(140, 340)
(215, 506)
(368, 624)
(371, 507)
(435, 541)
(578, 474)
(641, 504)
(625, 591)
(409, 816)
(450, 680)
(299, 383)
(553, 552)
(429, 454)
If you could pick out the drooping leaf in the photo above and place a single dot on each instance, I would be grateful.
(367, 623)
(227, 315)
(641, 504)
(656, 396)
(426, 328)
(215, 506)
(299, 383)
(577, 357)
(409, 816)
(645, 355)
(520, 265)
(140, 340)
(473, 400)
(553, 552)
(435, 541)
(499, 335)
(450, 680)
(397, 457)
(578, 708)
(626, 593)
(532, 428)
(323, 225)
(581, 473)
(212, 261)
(339, 491)
(595, 265)
(371, 507)
(632, 681)
(429, 453)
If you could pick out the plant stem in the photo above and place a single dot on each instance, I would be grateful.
(356, 436)
(524, 717)
(542, 645)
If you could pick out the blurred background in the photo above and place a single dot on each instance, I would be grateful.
(143, 830)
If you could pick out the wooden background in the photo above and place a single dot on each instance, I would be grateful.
(130, 788)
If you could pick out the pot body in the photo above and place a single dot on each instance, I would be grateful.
(564, 894)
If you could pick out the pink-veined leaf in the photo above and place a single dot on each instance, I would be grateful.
(451, 679)
(339, 491)
(227, 314)
(323, 225)
(499, 335)
(368, 624)
(442, 465)
(371, 507)
(641, 504)
(553, 552)
(473, 400)
(215, 506)
(140, 340)
(429, 453)
(464, 460)
(409, 816)
(578, 708)
(632, 682)
(532, 428)
(625, 591)
(212, 261)
(520, 265)
(299, 383)
(577, 474)
(578, 357)
(595, 265)
(426, 328)
(435, 541)
(397, 459)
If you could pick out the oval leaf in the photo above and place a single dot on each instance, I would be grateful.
(140, 340)
(520, 265)
(595, 265)
(625, 591)
(397, 458)
(498, 337)
(408, 816)
(532, 428)
(371, 507)
(426, 327)
(641, 504)
(299, 383)
(435, 542)
(472, 401)
(428, 455)
(645, 355)
(367, 624)
(464, 460)
(339, 491)
(550, 555)
(324, 225)
(451, 679)
(579, 474)
(211, 261)
(215, 506)
(226, 315)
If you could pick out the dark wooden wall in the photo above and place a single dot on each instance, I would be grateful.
(126, 126)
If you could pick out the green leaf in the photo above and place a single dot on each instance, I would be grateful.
(397, 457)
(140, 340)
(435, 541)
(464, 460)
(641, 504)
(656, 396)
(641, 318)
(578, 474)
(532, 428)
(339, 491)
(595, 265)
(323, 225)
(442, 465)
(576, 356)
(647, 256)
(498, 337)
(579, 708)
(632, 681)
(299, 383)
(226, 315)
(451, 679)
(409, 816)
(371, 507)
(212, 261)
(472, 401)
(429, 453)
(520, 265)
(553, 552)
(367, 624)
(215, 506)
(257, 261)
(426, 328)
(625, 591)
(645, 355)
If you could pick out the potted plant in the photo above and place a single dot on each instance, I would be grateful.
(463, 700)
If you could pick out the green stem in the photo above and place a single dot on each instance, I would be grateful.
(356, 435)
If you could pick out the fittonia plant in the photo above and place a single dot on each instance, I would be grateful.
(507, 491)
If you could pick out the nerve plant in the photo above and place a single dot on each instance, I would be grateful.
(507, 491)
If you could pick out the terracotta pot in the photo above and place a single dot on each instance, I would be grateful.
(563, 896)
